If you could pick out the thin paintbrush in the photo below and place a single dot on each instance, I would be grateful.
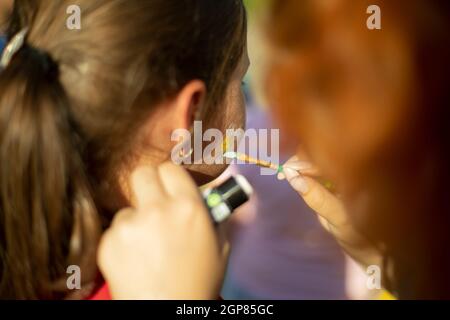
(247, 159)
(312, 172)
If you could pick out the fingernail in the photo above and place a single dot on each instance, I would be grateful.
(290, 173)
(299, 165)
(299, 183)
(296, 180)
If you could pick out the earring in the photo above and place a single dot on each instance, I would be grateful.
(183, 154)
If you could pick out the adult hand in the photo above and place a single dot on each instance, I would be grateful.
(305, 179)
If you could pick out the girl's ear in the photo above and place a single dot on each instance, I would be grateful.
(178, 113)
(188, 102)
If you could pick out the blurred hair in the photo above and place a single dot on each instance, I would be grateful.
(409, 219)
(70, 102)
(5, 11)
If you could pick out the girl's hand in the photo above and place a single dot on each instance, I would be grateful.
(166, 246)
(304, 178)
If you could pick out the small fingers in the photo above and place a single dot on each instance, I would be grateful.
(147, 187)
(177, 181)
(122, 216)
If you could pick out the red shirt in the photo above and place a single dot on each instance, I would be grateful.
(102, 294)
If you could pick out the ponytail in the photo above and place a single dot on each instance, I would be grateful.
(48, 219)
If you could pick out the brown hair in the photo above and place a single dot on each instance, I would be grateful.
(408, 216)
(71, 100)
(5, 11)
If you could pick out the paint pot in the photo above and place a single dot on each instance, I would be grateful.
(223, 200)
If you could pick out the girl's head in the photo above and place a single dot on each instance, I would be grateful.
(371, 108)
(79, 109)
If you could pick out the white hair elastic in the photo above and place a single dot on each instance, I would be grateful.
(13, 46)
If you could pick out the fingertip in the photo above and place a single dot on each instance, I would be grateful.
(171, 167)
(141, 175)
(299, 165)
(299, 184)
(176, 180)
(145, 186)
(290, 173)
(167, 166)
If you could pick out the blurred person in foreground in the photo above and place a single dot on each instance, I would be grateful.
(371, 110)
(279, 249)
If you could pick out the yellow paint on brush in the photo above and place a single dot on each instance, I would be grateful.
(250, 160)
(261, 163)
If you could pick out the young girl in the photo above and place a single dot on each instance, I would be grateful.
(81, 109)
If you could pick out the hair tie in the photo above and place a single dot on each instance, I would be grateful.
(17, 43)
(13, 46)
